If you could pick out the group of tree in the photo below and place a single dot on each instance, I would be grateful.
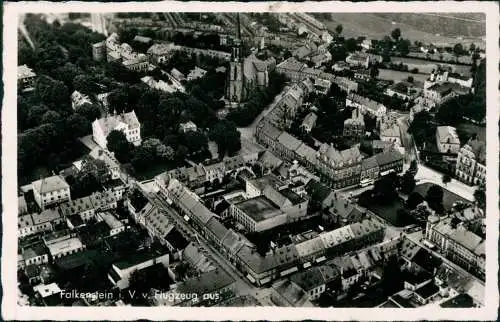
(372, 91)
(140, 157)
(227, 137)
(92, 176)
(246, 113)
(423, 128)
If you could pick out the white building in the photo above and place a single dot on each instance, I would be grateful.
(447, 140)
(25, 77)
(60, 246)
(33, 223)
(391, 133)
(78, 99)
(51, 190)
(113, 223)
(126, 123)
(309, 122)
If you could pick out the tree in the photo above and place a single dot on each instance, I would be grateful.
(84, 84)
(414, 199)
(422, 127)
(408, 182)
(195, 141)
(434, 198)
(227, 137)
(338, 29)
(446, 178)
(410, 79)
(96, 168)
(90, 111)
(395, 34)
(117, 143)
(384, 188)
(50, 117)
(78, 124)
(181, 152)
(458, 50)
(351, 45)
(142, 157)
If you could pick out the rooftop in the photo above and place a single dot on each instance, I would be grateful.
(34, 250)
(109, 123)
(388, 157)
(460, 301)
(50, 184)
(111, 220)
(259, 208)
(207, 282)
(427, 290)
(266, 181)
(64, 245)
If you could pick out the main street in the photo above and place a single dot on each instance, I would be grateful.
(243, 286)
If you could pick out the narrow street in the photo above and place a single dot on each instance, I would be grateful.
(426, 174)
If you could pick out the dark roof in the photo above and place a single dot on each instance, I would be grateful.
(309, 279)
(317, 190)
(76, 220)
(216, 228)
(416, 278)
(221, 207)
(176, 239)
(207, 282)
(369, 163)
(427, 290)
(388, 157)
(138, 200)
(461, 300)
(426, 260)
(292, 196)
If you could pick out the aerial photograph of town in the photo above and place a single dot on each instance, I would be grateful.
(251, 159)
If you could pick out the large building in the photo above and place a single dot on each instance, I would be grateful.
(457, 243)
(471, 162)
(247, 74)
(339, 168)
(50, 191)
(447, 140)
(126, 123)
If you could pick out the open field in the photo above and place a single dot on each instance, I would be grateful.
(378, 25)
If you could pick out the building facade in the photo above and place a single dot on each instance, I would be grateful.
(126, 123)
(471, 163)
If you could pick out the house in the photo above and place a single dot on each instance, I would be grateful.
(320, 194)
(137, 64)
(439, 93)
(349, 275)
(121, 271)
(193, 255)
(207, 289)
(109, 159)
(258, 214)
(161, 85)
(369, 168)
(177, 75)
(426, 294)
(340, 66)
(161, 53)
(196, 73)
(403, 90)
(390, 132)
(25, 77)
(176, 242)
(115, 226)
(354, 127)
(339, 168)
(366, 105)
(388, 161)
(288, 294)
(457, 243)
(38, 222)
(126, 123)
(83, 207)
(50, 295)
(188, 126)
(471, 162)
(309, 122)
(313, 281)
(345, 212)
(36, 274)
(142, 39)
(50, 191)
(447, 140)
(358, 60)
(78, 99)
(35, 254)
(61, 244)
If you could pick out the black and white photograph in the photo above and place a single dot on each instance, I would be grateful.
(251, 157)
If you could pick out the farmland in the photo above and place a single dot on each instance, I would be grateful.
(378, 25)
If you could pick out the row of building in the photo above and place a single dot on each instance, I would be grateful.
(282, 261)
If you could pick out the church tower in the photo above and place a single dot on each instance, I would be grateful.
(236, 82)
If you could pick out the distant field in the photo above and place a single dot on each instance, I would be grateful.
(378, 25)
(395, 75)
